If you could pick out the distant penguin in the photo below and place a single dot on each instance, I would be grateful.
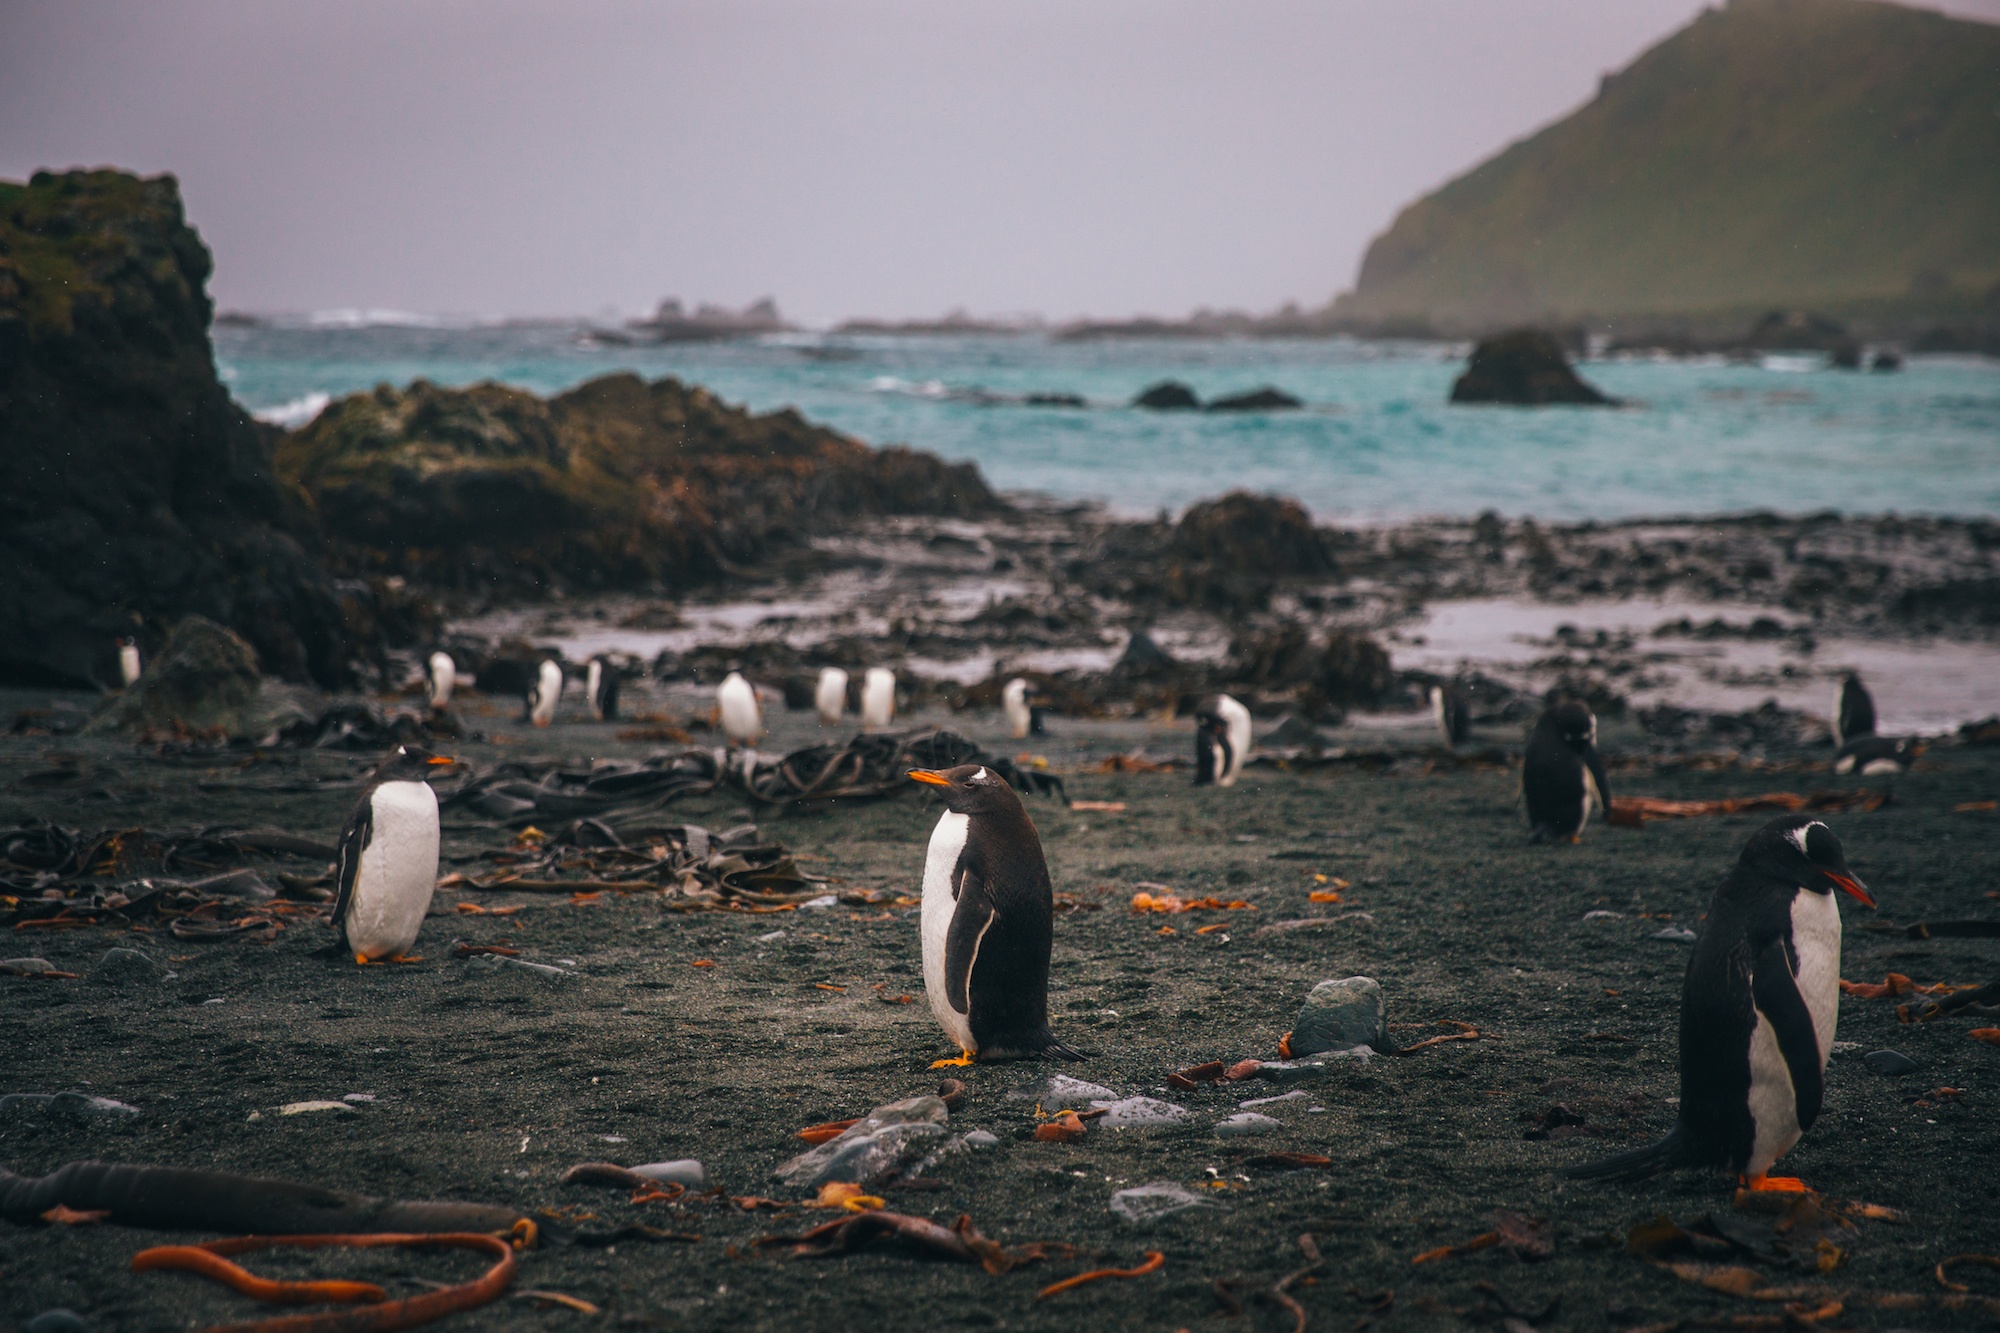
(600, 686)
(1562, 775)
(1452, 715)
(1853, 710)
(128, 661)
(1014, 702)
(387, 861)
(545, 693)
(1877, 756)
(1221, 740)
(440, 675)
(878, 698)
(988, 921)
(736, 705)
(1757, 1011)
(830, 696)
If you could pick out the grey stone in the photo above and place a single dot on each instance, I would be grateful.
(1340, 1015)
(1295, 1095)
(982, 1138)
(1245, 1123)
(78, 1104)
(1142, 1205)
(1673, 935)
(26, 967)
(873, 1146)
(1601, 915)
(1059, 1091)
(493, 964)
(684, 1171)
(124, 967)
(57, 1321)
(1889, 1063)
(1137, 1112)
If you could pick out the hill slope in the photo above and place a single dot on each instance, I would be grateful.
(1831, 153)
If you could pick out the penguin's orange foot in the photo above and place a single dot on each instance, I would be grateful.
(964, 1059)
(1775, 1185)
(406, 958)
(363, 960)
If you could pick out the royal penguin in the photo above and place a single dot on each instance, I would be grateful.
(736, 708)
(128, 661)
(1451, 713)
(1853, 710)
(545, 693)
(1877, 756)
(1757, 1011)
(600, 686)
(440, 676)
(878, 698)
(830, 696)
(1020, 713)
(1562, 775)
(1221, 740)
(387, 860)
(988, 921)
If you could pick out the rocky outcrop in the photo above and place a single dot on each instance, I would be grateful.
(616, 484)
(1168, 396)
(1267, 399)
(1526, 367)
(206, 680)
(1802, 331)
(133, 490)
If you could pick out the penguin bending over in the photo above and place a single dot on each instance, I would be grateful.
(1853, 711)
(128, 661)
(736, 707)
(440, 676)
(545, 693)
(600, 686)
(1453, 716)
(1874, 756)
(830, 696)
(1757, 1011)
(1014, 702)
(1221, 740)
(878, 698)
(988, 921)
(1562, 775)
(387, 860)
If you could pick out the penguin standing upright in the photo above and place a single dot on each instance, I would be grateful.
(1221, 740)
(387, 860)
(545, 693)
(1757, 1010)
(988, 921)
(440, 676)
(1562, 775)
(878, 698)
(128, 661)
(600, 685)
(1451, 713)
(1014, 702)
(736, 707)
(1853, 710)
(830, 696)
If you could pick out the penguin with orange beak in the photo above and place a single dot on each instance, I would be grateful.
(988, 921)
(387, 859)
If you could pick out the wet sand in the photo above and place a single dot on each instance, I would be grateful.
(487, 1089)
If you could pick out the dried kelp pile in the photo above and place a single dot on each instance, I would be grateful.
(878, 764)
(736, 870)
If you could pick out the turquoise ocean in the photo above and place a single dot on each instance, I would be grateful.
(1375, 442)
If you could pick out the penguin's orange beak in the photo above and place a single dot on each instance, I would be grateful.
(928, 776)
(441, 759)
(1852, 887)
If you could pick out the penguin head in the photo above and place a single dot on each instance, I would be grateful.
(1799, 849)
(970, 789)
(412, 763)
(1576, 723)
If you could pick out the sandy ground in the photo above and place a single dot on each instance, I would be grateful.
(487, 1089)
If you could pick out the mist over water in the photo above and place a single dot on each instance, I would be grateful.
(1375, 442)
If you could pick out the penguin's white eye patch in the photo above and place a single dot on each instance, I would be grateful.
(980, 776)
(1798, 835)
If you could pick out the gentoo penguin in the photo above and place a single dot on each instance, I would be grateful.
(878, 698)
(736, 705)
(1757, 1010)
(1014, 702)
(545, 692)
(1221, 740)
(988, 921)
(1853, 710)
(830, 696)
(600, 684)
(1562, 776)
(1453, 717)
(128, 661)
(1873, 756)
(440, 675)
(388, 858)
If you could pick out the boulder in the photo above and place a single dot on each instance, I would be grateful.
(205, 680)
(133, 490)
(1266, 399)
(882, 1141)
(1340, 1015)
(1168, 396)
(1247, 533)
(1527, 367)
(1142, 657)
(1344, 669)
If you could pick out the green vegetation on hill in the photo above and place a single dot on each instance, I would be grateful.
(1839, 154)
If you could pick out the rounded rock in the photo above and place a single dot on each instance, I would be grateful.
(1340, 1015)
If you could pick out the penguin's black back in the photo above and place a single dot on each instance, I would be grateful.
(1009, 986)
(1560, 764)
(1857, 710)
(1211, 742)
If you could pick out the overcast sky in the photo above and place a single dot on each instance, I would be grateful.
(849, 158)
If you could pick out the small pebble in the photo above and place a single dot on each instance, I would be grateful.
(1601, 915)
(683, 1171)
(306, 1108)
(1143, 1204)
(981, 1138)
(57, 1321)
(1059, 1090)
(1673, 935)
(1245, 1123)
(1889, 1063)
(1293, 1096)
(1137, 1112)
(819, 904)
(359, 1097)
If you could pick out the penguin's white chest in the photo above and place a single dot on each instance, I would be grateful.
(878, 697)
(947, 843)
(128, 664)
(398, 873)
(830, 697)
(1238, 719)
(736, 700)
(1019, 716)
(444, 676)
(1774, 1105)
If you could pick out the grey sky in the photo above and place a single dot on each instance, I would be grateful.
(868, 157)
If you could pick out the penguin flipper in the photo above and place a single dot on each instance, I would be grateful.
(973, 916)
(354, 840)
(1595, 763)
(1776, 994)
